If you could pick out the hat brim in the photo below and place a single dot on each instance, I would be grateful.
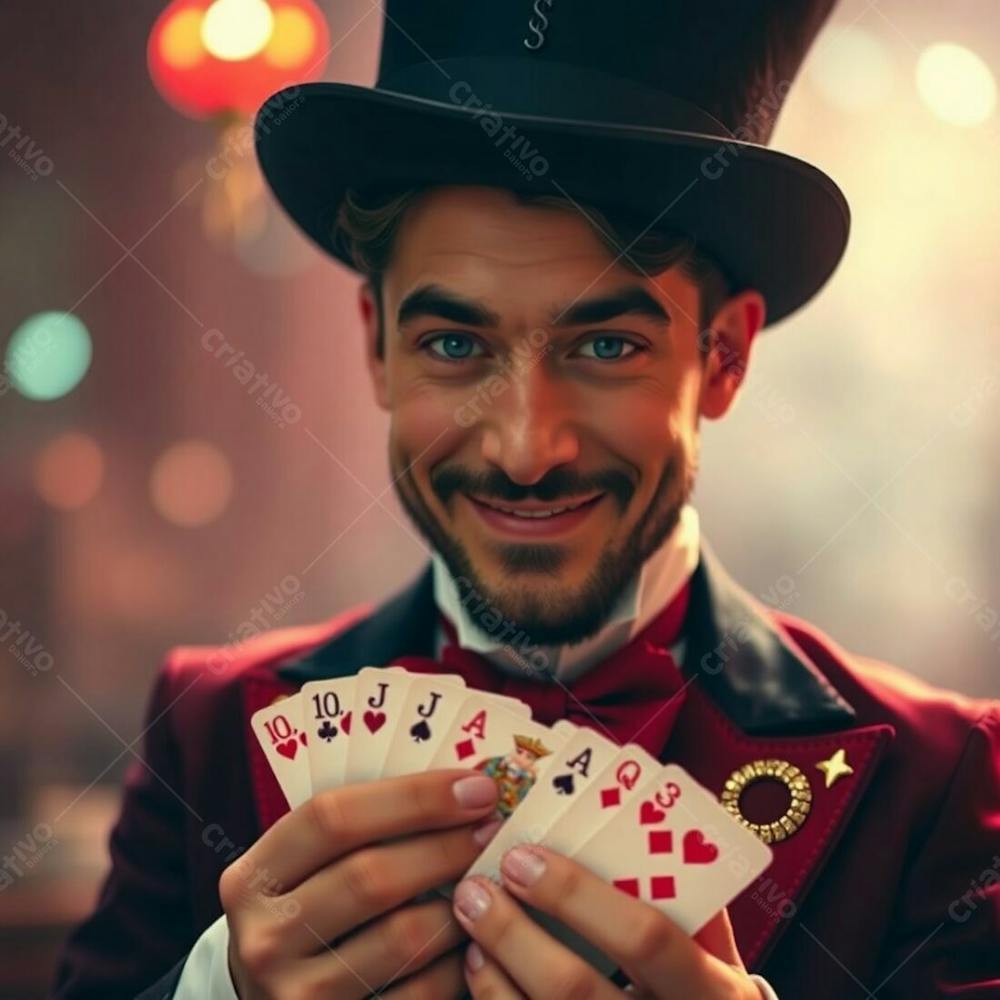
(775, 222)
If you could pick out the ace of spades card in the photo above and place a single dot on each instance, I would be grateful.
(675, 847)
(578, 762)
(602, 798)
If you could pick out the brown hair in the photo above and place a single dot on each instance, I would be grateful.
(367, 225)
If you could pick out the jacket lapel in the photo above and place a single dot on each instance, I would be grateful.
(753, 695)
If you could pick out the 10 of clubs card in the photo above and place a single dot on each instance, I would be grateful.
(326, 707)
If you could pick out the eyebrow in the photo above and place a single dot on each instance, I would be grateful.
(434, 300)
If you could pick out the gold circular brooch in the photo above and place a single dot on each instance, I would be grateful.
(780, 770)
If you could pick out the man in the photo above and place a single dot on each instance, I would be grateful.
(547, 321)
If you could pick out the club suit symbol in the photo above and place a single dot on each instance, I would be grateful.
(538, 24)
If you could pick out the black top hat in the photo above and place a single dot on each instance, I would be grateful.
(659, 107)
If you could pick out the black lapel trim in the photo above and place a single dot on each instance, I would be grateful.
(748, 669)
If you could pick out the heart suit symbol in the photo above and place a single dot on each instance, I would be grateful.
(374, 720)
(698, 850)
(649, 813)
(288, 748)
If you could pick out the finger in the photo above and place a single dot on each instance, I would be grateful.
(485, 978)
(442, 979)
(649, 946)
(539, 965)
(385, 952)
(334, 822)
(717, 938)
(372, 881)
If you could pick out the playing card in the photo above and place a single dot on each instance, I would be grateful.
(674, 846)
(496, 736)
(378, 697)
(601, 799)
(431, 703)
(578, 762)
(327, 717)
(280, 731)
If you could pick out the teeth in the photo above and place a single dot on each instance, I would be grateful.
(536, 513)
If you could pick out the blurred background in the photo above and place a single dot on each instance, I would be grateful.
(153, 494)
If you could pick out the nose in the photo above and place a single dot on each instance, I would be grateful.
(529, 427)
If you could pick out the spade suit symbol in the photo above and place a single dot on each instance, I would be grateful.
(563, 784)
(420, 731)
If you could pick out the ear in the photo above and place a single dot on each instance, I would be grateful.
(376, 365)
(733, 327)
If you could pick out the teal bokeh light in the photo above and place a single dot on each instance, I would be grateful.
(48, 355)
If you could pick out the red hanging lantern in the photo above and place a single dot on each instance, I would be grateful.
(212, 58)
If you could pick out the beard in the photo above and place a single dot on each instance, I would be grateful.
(548, 613)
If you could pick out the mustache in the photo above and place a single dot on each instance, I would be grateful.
(556, 484)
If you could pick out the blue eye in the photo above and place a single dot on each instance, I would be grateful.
(609, 348)
(454, 346)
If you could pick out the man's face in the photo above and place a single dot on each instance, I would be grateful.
(544, 405)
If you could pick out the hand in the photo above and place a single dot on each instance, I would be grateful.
(513, 957)
(323, 870)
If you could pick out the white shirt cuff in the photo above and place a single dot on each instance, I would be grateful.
(766, 993)
(205, 975)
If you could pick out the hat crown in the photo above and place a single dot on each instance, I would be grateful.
(719, 67)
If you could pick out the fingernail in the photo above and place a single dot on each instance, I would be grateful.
(475, 792)
(471, 899)
(523, 865)
(483, 834)
(474, 957)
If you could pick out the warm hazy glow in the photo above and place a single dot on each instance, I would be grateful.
(292, 40)
(956, 84)
(69, 471)
(180, 43)
(851, 69)
(48, 354)
(237, 29)
(191, 483)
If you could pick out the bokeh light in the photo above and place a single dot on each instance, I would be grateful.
(69, 471)
(851, 69)
(236, 29)
(191, 483)
(48, 355)
(292, 40)
(956, 84)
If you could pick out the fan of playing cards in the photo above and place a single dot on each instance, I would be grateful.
(648, 828)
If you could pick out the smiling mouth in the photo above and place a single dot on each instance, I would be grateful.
(535, 511)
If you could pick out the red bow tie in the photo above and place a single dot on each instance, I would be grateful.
(634, 696)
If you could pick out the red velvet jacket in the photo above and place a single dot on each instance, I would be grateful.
(890, 888)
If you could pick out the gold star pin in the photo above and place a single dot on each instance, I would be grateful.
(836, 767)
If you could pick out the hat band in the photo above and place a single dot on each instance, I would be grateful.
(549, 90)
